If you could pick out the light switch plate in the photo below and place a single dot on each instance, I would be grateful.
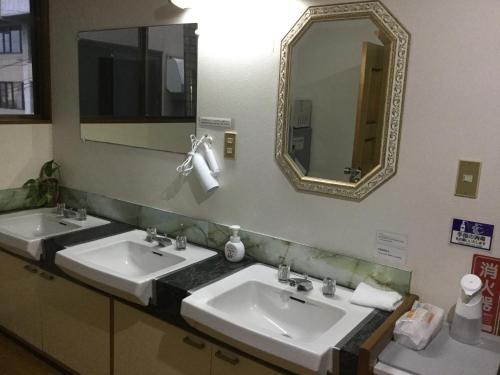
(468, 178)
(230, 145)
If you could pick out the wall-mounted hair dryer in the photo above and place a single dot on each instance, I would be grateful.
(211, 160)
(202, 159)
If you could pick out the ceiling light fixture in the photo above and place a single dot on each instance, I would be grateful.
(183, 4)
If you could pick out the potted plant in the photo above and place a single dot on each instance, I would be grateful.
(44, 190)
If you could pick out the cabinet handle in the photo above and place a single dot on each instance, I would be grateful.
(30, 268)
(229, 359)
(195, 344)
(47, 276)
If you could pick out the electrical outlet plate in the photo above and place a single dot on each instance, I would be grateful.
(230, 145)
(468, 179)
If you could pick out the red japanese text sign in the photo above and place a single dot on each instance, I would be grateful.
(488, 269)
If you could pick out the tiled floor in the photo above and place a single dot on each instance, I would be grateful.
(16, 360)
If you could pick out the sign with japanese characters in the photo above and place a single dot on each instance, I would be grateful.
(391, 247)
(470, 233)
(488, 269)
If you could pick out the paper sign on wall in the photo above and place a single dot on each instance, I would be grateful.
(391, 247)
(472, 234)
(488, 270)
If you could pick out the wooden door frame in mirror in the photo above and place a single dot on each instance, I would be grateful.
(398, 62)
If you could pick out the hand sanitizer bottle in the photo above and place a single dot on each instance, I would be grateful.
(234, 249)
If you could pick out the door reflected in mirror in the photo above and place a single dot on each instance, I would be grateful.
(340, 98)
(337, 101)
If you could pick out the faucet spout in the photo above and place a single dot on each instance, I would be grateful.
(80, 214)
(152, 236)
(302, 284)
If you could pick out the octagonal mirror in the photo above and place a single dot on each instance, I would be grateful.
(340, 101)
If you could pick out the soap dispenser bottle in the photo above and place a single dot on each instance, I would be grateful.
(467, 321)
(234, 249)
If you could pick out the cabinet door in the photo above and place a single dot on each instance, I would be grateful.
(148, 346)
(76, 325)
(225, 362)
(19, 303)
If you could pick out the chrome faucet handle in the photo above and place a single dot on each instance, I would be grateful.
(181, 239)
(151, 234)
(60, 209)
(81, 214)
(329, 287)
(283, 272)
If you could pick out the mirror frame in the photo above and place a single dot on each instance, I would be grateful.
(398, 62)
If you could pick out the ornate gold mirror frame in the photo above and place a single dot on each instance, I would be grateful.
(398, 59)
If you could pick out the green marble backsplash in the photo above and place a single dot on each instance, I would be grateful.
(13, 199)
(347, 270)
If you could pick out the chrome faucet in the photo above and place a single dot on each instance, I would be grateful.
(152, 235)
(80, 214)
(302, 283)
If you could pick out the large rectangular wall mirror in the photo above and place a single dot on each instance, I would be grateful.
(138, 86)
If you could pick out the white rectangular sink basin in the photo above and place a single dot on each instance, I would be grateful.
(126, 264)
(22, 232)
(131, 259)
(253, 308)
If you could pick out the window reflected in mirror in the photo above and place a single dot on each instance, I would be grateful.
(138, 74)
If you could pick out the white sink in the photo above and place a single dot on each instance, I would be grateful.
(22, 232)
(126, 265)
(253, 308)
(131, 259)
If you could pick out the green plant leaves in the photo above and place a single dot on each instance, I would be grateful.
(49, 168)
(45, 189)
(29, 182)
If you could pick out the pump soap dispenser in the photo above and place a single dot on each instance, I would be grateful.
(467, 321)
(234, 250)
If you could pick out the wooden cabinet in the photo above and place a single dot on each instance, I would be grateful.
(72, 324)
(226, 362)
(68, 322)
(19, 299)
(148, 346)
(76, 325)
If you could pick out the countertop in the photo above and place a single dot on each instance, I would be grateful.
(446, 356)
(171, 289)
(349, 350)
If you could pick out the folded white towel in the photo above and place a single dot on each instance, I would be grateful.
(366, 295)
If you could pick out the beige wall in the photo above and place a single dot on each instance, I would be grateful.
(452, 111)
(23, 150)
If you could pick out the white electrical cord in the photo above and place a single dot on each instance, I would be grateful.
(187, 166)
